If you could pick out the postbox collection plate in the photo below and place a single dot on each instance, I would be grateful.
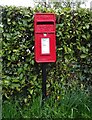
(45, 46)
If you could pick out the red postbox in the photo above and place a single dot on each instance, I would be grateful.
(45, 38)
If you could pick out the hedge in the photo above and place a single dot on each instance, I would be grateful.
(22, 76)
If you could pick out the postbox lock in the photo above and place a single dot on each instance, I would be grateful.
(45, 34)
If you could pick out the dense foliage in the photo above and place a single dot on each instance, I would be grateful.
(73, 105)
(73, 69)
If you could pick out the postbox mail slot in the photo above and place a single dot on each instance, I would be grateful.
(45, 26)
(45, 23)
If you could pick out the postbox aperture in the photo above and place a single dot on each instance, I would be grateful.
(45, 38)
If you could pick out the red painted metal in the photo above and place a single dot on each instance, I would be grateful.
(45, 38)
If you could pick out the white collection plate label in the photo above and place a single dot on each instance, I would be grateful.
(45, 46)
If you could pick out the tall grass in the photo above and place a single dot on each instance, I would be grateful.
(75, 104)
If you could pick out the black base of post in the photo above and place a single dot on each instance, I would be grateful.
(43, 82)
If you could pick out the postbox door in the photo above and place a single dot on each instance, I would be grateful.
(45, 47)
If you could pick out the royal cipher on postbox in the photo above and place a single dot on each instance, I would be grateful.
(45, 38)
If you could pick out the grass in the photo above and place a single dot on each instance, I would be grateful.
(75, 104)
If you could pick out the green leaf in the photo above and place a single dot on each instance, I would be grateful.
(15, 80)
(21, 76)
(31, 91)
(84, 36)
(87, 26)
(83, 56)
(32, 62)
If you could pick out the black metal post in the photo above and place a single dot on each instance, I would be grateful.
(44, 76)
